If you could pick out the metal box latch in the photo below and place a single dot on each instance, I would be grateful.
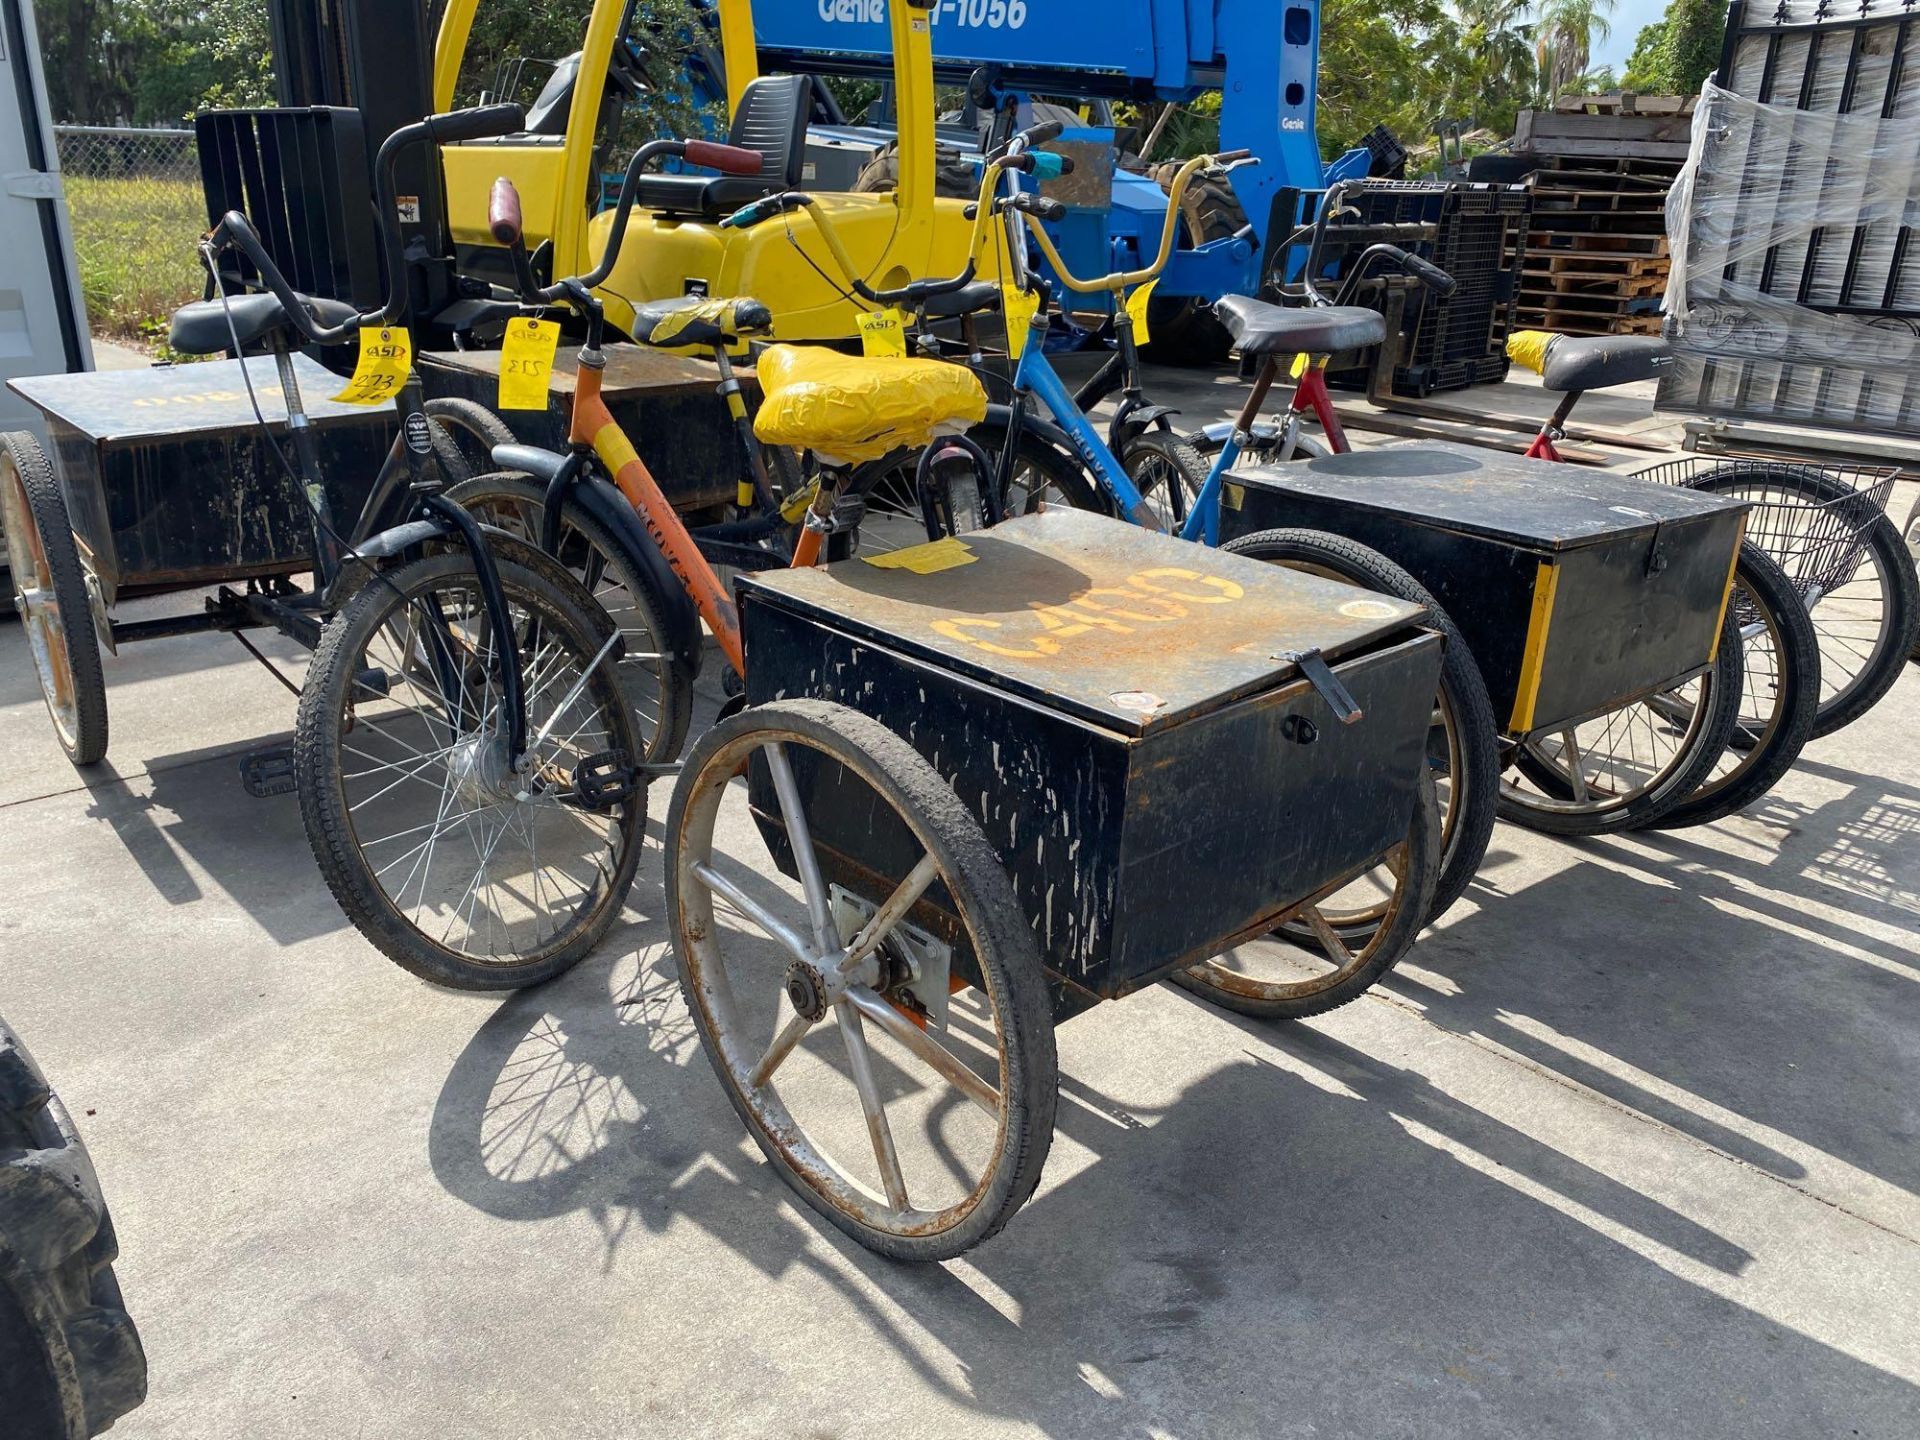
(1339, 699)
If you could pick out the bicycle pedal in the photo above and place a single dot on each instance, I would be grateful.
(268, 772)
(607, 779)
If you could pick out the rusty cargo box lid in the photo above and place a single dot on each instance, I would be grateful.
(115, 407)
(1537, 504)
(1115, 624)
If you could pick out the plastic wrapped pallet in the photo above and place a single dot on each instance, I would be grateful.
(1795, 285)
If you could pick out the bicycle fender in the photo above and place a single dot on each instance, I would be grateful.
(677, 614)
(1033, 424)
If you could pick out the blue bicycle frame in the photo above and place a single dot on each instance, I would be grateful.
(1035, 376)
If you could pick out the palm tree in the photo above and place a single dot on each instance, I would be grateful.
(1563, 40)
(1500, 42)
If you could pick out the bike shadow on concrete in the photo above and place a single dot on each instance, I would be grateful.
(1305, 1237)
(1692, 985)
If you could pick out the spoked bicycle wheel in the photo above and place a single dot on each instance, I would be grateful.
(1850, 565)
(882, 1029)
(661, 692)
(455, 865)
(1625, 769)
(1167, 472)
(1779, 694)
(50, 596)
(1333, 946)
(1463, 748)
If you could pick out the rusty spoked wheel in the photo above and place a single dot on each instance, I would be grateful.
(1334, 945)
(876, 1011)
(50, 595)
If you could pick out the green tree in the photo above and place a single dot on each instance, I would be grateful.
(1396, 63)
(1690, 47)
(1563, 41)
(1646, 71)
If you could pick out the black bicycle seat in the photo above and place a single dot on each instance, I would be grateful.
(1593, 362)
(1262, 329)
(967, 300)
(201, 328)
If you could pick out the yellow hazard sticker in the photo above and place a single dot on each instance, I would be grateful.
(928, 559)
(883, 335)
(386, 356)
(1137, 308)
(526, 363)
(1019, 307)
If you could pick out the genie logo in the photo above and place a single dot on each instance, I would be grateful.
(967, 14)
(854, 12)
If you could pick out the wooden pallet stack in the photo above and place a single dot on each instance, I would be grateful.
(1596, 259)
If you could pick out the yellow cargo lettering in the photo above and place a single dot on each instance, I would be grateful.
(957, 630)
(1170, 610)
(1065, 620)
(1224, 590)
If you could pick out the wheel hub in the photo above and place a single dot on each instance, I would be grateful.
(481, 774)
(807, 991)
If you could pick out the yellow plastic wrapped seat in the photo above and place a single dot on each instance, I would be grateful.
(851, 408)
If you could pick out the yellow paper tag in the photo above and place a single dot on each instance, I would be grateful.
(385, 358)
(1137, 308)
(928, 559)
(526, 363)
(1019, 307)
(883, 335)
(1299, 367)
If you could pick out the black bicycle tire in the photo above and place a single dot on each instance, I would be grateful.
(1761, 767)
(1724, 679)
(318, 768)
(1900, 583)
(47, 507)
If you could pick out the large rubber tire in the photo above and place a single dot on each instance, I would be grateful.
(1912, 534)
(1780, 698)
(1470, 733)
(1900, 631)
(70, 1358)
(320, 766)
(1183, 330)
(662, 696)
(998, 936)
(1381, 948)
(50, 592)
(1682, 775)
(953, 177)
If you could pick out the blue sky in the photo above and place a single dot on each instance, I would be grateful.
(1628, 17)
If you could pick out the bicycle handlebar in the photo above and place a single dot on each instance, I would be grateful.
(449, 128)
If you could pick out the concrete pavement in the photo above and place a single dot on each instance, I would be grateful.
(1629, 1146)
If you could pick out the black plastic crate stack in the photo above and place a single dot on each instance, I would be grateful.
(1477, 234)
(301, 176)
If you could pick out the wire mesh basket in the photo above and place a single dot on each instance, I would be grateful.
(1811, 519)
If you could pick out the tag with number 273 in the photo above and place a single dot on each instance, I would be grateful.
(526, 363)
(386, 355)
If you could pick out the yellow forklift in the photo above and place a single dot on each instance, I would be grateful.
(681, 248)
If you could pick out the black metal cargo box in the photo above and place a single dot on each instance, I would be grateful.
(668, 405)
(1578, 591)
(1124, 714)
(170, 483)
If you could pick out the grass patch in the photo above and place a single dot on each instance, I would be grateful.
(134, 239)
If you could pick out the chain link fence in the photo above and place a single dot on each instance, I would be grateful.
(135, 199)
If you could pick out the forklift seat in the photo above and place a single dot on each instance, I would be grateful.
(772, 118)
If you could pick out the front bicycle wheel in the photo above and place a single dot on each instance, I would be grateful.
(1779, 694)
(661, 695)
(884, 1033)
(1625, 769)
(1167, 472)
(455, 864)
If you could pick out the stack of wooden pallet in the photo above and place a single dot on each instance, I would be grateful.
(1596, 257)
